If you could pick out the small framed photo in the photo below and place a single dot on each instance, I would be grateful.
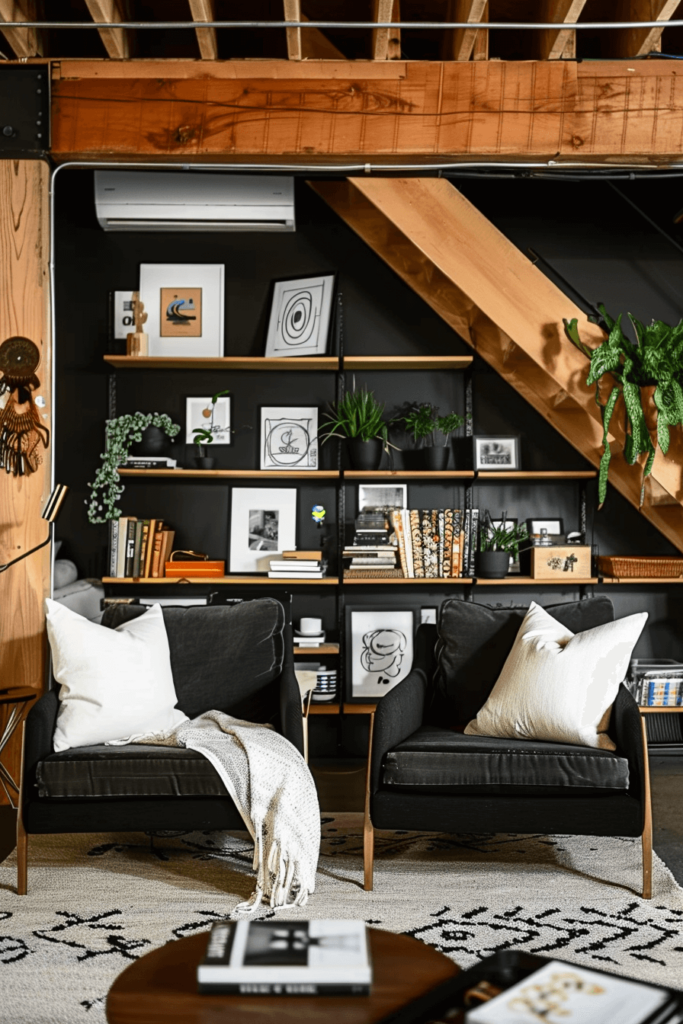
(554, 528)
(289, 437)
(379, 650)
(496, 453)
(300, 317)
(211, 416)
(384, 496)
(184, 303)
(262, 525)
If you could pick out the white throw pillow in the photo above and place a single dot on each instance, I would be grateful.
(557, 685)
(114, 682)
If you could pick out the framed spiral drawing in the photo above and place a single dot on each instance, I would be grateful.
(300, 317)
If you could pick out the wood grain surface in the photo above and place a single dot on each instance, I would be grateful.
(160, 988)
(24, 310)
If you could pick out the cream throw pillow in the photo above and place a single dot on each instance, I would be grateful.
(557, 685)
(115, 683)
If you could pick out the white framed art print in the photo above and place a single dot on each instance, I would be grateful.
(300, 317)
(379, 650)
(289, 437)
(202, 413)
(184, 303)
(262, 526)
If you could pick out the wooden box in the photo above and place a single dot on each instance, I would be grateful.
(561, 563)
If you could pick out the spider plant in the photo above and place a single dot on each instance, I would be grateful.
(654, 362)
(358, 415)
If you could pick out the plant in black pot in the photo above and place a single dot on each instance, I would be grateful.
(204, 436)
(498, 542)
(424, 423)
(359, 418)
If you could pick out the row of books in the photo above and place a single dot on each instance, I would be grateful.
(662, 693)
(139, 548)
(436, 543)
(298, 565)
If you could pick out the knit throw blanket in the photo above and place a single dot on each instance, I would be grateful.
(274, 792)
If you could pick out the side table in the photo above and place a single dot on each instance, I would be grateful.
(647, 828)
(161, 988)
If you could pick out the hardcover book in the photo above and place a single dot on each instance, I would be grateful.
(287, 958)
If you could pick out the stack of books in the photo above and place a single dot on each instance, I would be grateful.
(657, 685)
(149, 462)
(298, 565)
(139, 548)
(371, 552)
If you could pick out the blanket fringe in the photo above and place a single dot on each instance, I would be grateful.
(278, 881)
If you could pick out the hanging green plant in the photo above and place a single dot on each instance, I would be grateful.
(649, 376)
(120, 434)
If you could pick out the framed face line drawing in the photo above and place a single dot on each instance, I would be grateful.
(379, 650)
(289, 437)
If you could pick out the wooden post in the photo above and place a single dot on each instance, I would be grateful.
(25, 310)
(647, 826)
(368, 830)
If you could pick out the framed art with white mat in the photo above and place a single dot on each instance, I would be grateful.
(185, 306)
(262, 525)
(379, 650)
(289, 437)
(300, 317)
(203, 414)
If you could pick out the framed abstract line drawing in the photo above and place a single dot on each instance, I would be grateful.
(289, 437)
(379, 650)
(185, 307)
(300, 317)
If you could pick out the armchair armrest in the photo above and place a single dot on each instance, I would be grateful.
(291, 718)
(397, 717)
(40, 729)
(626, 730)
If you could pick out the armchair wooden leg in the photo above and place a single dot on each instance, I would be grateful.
(22, 837)
(368, 830)
(647, 826)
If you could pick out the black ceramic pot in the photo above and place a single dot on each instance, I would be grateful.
(436, 456)
(365, 454)
(154, 442)
(205, 462)
(492, 565)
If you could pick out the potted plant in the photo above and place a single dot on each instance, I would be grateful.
(648, 375)
(423, 422)
(497, 543)
(204, 436)
(120, 434)
(359, 418)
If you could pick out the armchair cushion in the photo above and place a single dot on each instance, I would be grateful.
(474, 641)
(133, 771)
(437, 757)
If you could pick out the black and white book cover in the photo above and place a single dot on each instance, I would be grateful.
(287, 958)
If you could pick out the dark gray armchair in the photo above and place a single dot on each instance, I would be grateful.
(237, 659)
(426, 775)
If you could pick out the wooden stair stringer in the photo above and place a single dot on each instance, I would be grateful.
(507, 311)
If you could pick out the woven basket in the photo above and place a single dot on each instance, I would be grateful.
(625, 566)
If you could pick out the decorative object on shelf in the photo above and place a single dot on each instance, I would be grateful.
(120, 434)
(193, 564)
(21, 432)
(359, 418)
(384, 496)
(318, 513)
(551, 529)
(207, 421)
(289, 437)
(379, 645)
(514, 567)
(262, 525)
(185, 303)
(496, 453)
(646, 566)
(424, 423)
(499, 542)
(557, 561)
(137, 342)
(300, 317)
(122, 319)
(649, 377)
(154, 444)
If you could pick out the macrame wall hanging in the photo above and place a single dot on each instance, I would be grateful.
(21, 432)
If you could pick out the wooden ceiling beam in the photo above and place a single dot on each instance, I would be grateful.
(309, 43)
(386, 42)
(636, 42)
(26, 42)
(551, 45)
(460, 43)
(204, 10)
(116, 40)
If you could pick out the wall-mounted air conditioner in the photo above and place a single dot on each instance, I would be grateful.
(200, 201)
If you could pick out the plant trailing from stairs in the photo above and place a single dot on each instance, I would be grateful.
(120, 434)
(648, 374)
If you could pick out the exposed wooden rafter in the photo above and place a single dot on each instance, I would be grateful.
(562, 43)
(115, 40)
(204, 10)
(461, 43)
(507, 310)
(386, 42)
(26, 42)
(636, 42)
(309, 43)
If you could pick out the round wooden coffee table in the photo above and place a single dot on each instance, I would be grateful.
(161, 988)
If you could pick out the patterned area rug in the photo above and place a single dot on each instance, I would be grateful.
(96, 903)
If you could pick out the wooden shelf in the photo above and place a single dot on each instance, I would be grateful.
(526, 581)
(251, 581)
(359, 709)
(640, 579)
(323, 708)
(296, 363)
(322, 649)
(450, 580)
(235, 474)
(409, 474)
(407, 362)
(647, 710)
(537, 474)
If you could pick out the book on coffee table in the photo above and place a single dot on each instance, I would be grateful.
(287, 958)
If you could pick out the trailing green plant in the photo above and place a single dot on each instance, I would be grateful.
(120, 434)
(358, 415)
(655, 361)
(423, 422)
(506, 536)
(204, 435)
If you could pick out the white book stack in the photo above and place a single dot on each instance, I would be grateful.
(296, 568)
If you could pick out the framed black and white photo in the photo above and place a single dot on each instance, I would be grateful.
(496, 453)
(262, 525)
(184, 303)
(300, 317)
(202, 413)
(382, 496)
(289, 437)
(553, 527)
(379, 650)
